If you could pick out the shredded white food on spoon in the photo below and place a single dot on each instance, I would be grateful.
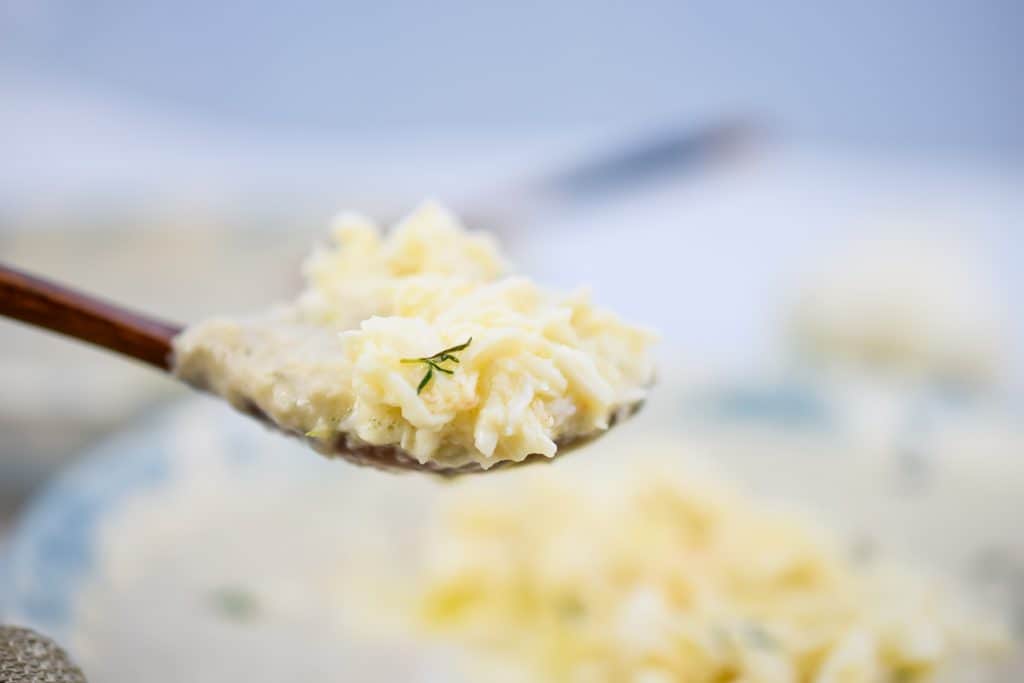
(421, 340)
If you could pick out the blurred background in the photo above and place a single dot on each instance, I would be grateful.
(181, 157)
(818, 205)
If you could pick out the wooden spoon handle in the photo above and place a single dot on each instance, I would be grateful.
(45, 304)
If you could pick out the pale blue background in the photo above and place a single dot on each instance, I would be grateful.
(934, 75)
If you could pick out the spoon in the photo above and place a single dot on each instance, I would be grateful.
(75, 314)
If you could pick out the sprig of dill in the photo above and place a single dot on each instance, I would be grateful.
(436, 362)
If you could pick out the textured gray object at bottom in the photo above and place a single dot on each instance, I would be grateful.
(27, 657)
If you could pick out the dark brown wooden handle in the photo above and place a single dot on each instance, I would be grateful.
(44, 304)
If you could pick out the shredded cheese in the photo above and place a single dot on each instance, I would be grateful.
(634, 572)
(542, 367)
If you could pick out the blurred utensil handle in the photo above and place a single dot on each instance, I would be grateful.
(678, 151)
(670, 152)
(66, 311)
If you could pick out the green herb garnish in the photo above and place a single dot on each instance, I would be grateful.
(236, 603)
(758, 636)
(436, 362)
